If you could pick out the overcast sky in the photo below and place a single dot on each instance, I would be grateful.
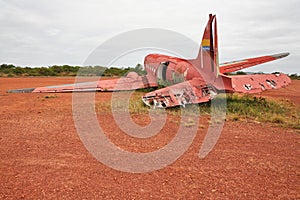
(44, 33)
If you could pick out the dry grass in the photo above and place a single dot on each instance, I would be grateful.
(238, 107)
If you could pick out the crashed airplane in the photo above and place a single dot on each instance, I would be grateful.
(191, 81)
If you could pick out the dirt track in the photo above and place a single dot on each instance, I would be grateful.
(42, 156)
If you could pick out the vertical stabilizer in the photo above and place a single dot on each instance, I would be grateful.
(208, 60)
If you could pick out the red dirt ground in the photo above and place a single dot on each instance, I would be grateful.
(42, 156)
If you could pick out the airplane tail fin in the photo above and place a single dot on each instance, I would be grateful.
(208, 59)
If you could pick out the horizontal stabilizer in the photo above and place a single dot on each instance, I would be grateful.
(245, 63)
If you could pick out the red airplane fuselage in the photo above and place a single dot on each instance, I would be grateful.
(170, 69)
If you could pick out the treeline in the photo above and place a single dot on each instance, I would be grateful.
(294, 76)
(9, 70)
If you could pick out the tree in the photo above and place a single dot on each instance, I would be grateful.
(139, 68)
(241, 73)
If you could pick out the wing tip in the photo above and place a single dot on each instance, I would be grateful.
(26, 90)
(280, 55)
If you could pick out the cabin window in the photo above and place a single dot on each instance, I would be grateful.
(248, 86)
(272, 83)
(262, 86)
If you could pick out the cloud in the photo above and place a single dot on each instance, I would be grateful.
(41, 33)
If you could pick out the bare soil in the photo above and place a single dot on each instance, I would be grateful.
(42, 156)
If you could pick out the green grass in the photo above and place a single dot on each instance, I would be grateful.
(238, 108)
(263, 110)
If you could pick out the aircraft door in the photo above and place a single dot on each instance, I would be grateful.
(162, 71)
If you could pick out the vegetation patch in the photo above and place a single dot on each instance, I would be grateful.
(263, 110)
(190, 123)
(50, 96)
(238, 108)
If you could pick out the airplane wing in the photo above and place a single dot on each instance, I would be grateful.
(242, 64)
(188, 92)
(259, 82)
(131, 82)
